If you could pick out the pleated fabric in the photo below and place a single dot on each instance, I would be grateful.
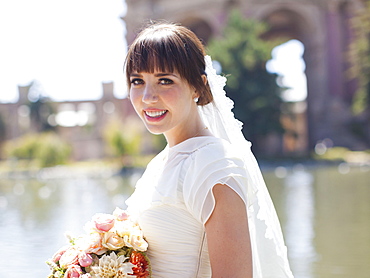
(173, 200)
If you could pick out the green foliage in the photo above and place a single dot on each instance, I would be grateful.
(359, 57)
(47, 149)
(122, 139)
(243, 55)
(41, 109)
(159, 142)
(344, 154)
(2, 128)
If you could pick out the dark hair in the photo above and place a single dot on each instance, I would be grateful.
(170, 47)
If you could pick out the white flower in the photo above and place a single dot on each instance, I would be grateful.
(136, 240)
(123, 228)
(112, 241)
(112, 266)
(89, 227)
(131, 234)
(58, 274)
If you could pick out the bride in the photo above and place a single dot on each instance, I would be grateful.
(202, 202)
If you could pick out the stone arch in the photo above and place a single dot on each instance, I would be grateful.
(285, 23)
(290, 23)
(322, 26)
(200, 27)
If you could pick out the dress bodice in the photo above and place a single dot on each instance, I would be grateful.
(173, 200)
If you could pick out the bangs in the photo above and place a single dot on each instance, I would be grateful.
(162, 51)
(151, 56)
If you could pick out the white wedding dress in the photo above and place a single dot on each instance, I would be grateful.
(173, 200)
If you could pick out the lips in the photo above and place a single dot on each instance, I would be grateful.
(155, 115)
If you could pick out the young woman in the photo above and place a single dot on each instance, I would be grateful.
(202, 202)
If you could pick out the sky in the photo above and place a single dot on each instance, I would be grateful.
(68, 48)
(287, 61)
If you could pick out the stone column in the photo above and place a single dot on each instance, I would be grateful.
(335, 49)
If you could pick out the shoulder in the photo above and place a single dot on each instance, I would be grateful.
(196, 154)
(214, 156)
(214, 149)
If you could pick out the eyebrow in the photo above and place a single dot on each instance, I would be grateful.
(161, 74)
(165, 74)
(135, 75)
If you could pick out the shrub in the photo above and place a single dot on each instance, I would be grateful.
(47, 149)
(123, 139)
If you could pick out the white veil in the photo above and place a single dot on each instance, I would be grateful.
(268, 247)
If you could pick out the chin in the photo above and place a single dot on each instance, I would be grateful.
(155, 131)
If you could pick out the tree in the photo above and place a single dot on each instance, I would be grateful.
(40, 107)
(359, 57)
(243, 55)
(2, 133)
(46, 149)
(123, 140)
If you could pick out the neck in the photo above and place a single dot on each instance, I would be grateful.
(180, 134)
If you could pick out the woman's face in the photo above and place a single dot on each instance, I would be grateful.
(164, 102)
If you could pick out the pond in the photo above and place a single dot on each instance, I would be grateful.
(324, 212)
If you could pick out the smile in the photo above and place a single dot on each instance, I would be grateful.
(155, 114)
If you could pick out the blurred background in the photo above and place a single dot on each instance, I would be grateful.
(71, 144)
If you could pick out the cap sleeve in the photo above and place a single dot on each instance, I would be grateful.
(213, 164)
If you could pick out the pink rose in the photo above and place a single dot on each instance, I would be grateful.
(73, 271)
(120, 214)
(84, 259)
(103, 222)
(93, 244)
(59, 254)
(69, 257)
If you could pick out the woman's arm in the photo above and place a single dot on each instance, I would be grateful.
(228, 235)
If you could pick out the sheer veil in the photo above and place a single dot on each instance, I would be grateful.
(268, 247)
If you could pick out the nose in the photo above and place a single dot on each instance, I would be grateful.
(149, 94)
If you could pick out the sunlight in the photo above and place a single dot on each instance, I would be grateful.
(288, 63)
(70, 47)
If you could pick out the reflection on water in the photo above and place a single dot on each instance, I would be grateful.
(325, 216)
(35, 213)
(299, 207)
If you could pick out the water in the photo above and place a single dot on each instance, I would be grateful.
(324, 212)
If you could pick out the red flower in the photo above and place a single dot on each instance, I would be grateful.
(142, 265)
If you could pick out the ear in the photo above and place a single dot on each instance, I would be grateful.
(205, 80)
(195, 94)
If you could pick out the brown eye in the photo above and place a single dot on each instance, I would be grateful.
(137, 81)
(165, 81)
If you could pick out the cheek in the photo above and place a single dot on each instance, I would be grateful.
(176, 98)
(135, 99)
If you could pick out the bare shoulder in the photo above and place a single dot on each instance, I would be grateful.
(228, 202)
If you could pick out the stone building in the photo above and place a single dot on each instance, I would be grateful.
(80, 123)
(321, 25)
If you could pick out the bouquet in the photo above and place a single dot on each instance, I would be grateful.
(113, 247)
